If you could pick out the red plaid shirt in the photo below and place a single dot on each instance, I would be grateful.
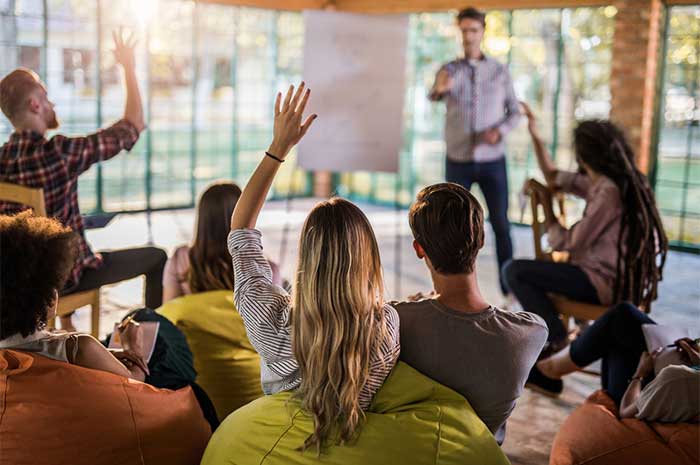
(54, 165)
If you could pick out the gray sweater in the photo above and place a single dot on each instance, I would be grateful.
(484, 356)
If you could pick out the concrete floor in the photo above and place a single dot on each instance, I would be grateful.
(535, 420)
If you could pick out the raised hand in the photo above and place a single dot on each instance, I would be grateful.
(288, 128)
(531, 118)
(124, 48)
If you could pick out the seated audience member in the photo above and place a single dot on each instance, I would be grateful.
(206, 264)
(37, 257)
(335, 340)
(617, 339)
(456, 337)
(617, 250)
(54, 165)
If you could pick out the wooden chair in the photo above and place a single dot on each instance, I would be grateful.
(34, 198)
(567, 308)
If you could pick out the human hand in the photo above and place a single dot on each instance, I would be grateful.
(689, 351)
(131, 335)
(130, 359)
(646, 363)
(288, 129)
(491, 136)
(124, 49)
(443, 82)
(531, 118)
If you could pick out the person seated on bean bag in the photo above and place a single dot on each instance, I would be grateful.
(37, 256)
(70, 381)
(412, 420)
(206, 264)
(335, 340)
(616, 338)
(227, 365)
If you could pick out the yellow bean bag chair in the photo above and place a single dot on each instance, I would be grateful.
(412, 420)
(228, 367)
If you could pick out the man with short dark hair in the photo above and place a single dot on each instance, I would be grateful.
(29, 159)
(481, 109)
(454, 336)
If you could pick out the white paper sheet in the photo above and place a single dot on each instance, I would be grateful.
(355, 66)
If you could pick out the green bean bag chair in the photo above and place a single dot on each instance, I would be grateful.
(412, 419)
(228, 367)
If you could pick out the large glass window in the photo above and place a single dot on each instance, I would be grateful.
(208, 75)
(678, 162)
(560, 61)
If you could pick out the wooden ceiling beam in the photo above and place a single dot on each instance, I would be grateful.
(418, 6)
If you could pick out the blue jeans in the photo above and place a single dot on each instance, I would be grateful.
(617, 339)
(492, 179)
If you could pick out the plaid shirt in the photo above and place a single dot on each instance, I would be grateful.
(54, 165)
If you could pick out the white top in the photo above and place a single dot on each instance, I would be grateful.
(51, 344)
(673, 396)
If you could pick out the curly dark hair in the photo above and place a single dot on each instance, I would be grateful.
(36, 257)
(448, 222)
(642, 244)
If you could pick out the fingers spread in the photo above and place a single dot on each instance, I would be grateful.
(287, 99)
(278, 100)
(307, 124)
(304, 100)
(297, 96)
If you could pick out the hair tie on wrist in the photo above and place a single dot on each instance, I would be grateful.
(274, 157)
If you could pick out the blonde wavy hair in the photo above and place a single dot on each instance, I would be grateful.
(337, 318)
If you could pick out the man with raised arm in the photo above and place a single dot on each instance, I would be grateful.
(28, 158)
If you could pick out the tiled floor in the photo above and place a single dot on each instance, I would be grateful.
(536, 418)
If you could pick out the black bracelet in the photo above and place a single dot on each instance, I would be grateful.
(274, 157)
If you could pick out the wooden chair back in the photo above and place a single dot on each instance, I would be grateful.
(29, 196)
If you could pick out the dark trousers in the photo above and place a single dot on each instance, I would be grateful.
(531, 280)
(492, 179)
(617, 339)
(121, 265)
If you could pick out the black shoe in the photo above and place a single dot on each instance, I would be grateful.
(537, 381)
(552, 347)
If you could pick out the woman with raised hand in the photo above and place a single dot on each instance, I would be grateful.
(335, 340)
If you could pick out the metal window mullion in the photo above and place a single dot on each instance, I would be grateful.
(149, 132)
(689, 144)
(193, 116)
(661, 101)
(98, 84)
(557, 89)
(273, 38)
(45, 42)
(235, 154)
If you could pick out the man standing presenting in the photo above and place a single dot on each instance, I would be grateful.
(481, 110)
(29, 159)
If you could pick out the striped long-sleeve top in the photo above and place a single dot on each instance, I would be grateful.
(265, 309)
(481, 98)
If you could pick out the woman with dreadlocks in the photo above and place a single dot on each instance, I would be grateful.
(616, 251)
